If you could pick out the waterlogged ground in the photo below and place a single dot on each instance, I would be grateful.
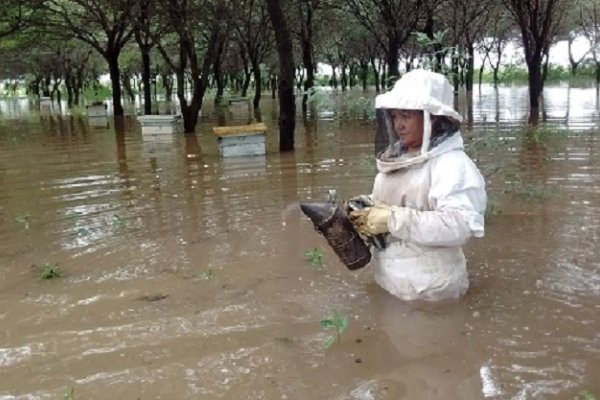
(184, 275)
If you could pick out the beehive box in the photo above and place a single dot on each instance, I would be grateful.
(159, 125)
(241, 140)
(96, 110)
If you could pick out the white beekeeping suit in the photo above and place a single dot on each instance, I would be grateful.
(431, 201)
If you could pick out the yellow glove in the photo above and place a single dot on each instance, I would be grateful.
(371, 221)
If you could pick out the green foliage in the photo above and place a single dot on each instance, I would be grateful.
(585, 395)
(69, 394)
(320, 100)
(322, 80)
(531, 191)
(12, 88)
(51, 270)
(81, 231)
(475, 146)
(314, 257)
(544, 135)
(223, 100)
(351, 107)
(77, 111)
(369, 162)
(491, 209)
(206, 275)
(518, 73)
(337, 323)
(434, 48)
(118, 222)
(96, 94)
(425, 41)
(512, 73)
(360, 107)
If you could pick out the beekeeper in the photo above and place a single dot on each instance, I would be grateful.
(428, 193)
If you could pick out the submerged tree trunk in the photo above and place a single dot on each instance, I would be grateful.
(128, 88)
(334, 80)
(539, 22)
(391, 58)
(115, 78)
(146, 80)
(470, 73)
(364, 73)
(375, 74)
(273, 86)
(217, 63)
(481, 73)
(167, 82)
(257, 85)
(285, 50)
(535, 88)
(69, 86)
(344, 78)
(247, 76)
(199, 75)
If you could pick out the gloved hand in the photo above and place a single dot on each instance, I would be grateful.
(358, 203)
(371, 221)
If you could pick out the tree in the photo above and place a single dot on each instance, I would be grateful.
(104, 25)
(391, 23)
(309, 17)
(498, 33)
(147, 29)
(181, 49)
(285, 50)
(588, 18)
(252, 31)
(539, 21)
(470, 18)
(16, 14)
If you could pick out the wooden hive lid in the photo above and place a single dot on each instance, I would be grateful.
(240, 130)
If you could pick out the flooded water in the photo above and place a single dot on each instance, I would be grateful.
(184, 275)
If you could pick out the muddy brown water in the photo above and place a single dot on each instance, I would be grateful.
(184, 275)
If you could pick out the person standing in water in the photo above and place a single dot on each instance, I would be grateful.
(429, 197)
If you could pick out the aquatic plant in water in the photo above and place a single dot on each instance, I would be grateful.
(206, 275)
(533, 191)
(319, 100)
(491, 209)
(74, 217)
(585, 395)
(338, 323)
(314, 257)
(51, 270)
(69, 394)
(118, 222)
(360, 107)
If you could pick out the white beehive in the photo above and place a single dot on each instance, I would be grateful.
(160, 125)
(96, 110)
(241, 140)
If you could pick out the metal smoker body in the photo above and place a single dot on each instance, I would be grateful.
(333, 223)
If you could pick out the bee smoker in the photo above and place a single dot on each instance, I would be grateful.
(332, 222)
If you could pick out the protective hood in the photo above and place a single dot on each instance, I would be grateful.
(422, 90)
